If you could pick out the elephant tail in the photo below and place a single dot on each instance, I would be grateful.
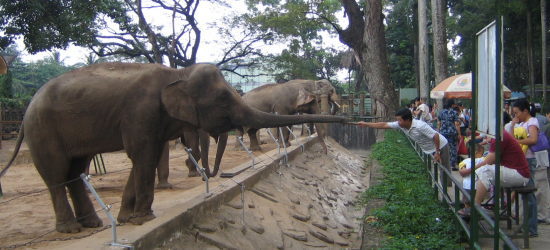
(15, 151)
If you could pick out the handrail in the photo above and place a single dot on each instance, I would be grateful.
(430, 163)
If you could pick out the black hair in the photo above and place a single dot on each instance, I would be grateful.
(417, 99)
(448, 103)
(404, 113)
(523, 104)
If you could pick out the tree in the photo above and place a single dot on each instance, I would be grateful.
(375, 62)
(423, 55)
(543, 42)
(113, 28)
(364, 35)
(401, 37)
(50, 24)
(439, 39)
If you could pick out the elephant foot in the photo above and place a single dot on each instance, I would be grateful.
(164, 185)
(256, 148)
(68, 227)
(124, 216)
(140, 219)
(193, 173)
(91, 221)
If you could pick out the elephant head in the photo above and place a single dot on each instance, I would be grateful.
(309, 96)
(203, 99)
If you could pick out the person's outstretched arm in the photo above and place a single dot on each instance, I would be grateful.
(382, 125)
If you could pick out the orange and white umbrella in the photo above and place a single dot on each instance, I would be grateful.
(458, 87)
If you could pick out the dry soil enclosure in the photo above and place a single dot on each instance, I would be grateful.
(308, 203)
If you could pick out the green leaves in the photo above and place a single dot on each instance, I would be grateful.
(411, 216)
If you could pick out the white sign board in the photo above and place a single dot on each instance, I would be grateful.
(485, 80)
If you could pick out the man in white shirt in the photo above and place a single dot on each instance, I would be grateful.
(423, 111)
(429, 140)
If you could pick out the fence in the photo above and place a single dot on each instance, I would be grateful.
(10, 121)
(472, 229)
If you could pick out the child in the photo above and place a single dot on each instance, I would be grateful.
(466, 181)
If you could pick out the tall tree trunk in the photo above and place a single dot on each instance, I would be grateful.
(530, 61)
(439, 39)
(375, 62)
(414, 38)
(543, 38)
(423, 55)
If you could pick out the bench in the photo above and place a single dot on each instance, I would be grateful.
(523, 231)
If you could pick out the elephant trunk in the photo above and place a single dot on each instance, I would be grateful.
(222, 143)
(254, 118)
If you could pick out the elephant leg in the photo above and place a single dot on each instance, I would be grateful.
(254, 143)
(192, 142)
(83, 206)
(321, 134)
(286, 135)
(139, 190)
(53, 167)
(163, 168)
(128, 199)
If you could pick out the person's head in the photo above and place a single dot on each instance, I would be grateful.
(457, 110)
(479, 151)
(417, 101)
(404, 117)
(412, 104)
(449, 103)
(460, 106)
(522, 110)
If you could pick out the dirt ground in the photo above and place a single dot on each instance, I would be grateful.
(27, 214)
(28, 217)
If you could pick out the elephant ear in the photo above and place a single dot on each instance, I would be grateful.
(178, 103)
(304, 97)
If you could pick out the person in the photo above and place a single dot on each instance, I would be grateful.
(462, 118)
(429, 140)
(466, 180)
(524, 117)
(448, 125)
(514, 172)
(423, 111)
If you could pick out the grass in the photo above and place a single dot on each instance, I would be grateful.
(412, 218)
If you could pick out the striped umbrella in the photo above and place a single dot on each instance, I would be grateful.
(458, 87)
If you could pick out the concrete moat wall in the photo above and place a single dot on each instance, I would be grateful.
(352, 136)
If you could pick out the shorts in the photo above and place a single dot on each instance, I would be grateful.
(508, 177)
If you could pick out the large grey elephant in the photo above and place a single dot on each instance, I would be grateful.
(295, 96)
(137, 107)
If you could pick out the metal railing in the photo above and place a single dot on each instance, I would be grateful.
(439, 176)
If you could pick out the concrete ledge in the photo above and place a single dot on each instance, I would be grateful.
(181, 217)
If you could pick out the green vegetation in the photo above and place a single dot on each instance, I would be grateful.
(412, 217)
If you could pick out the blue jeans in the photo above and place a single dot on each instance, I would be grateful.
(532, 199)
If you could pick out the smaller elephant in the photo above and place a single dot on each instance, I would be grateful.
(295, 96)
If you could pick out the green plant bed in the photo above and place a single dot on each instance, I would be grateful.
(412, 217)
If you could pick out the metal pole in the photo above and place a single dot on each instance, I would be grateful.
(201, 170)
(296, 138)
(284, 144)
(274, 139)
(240, 139)
(85, 178)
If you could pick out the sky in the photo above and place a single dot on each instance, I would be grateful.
(210, 49)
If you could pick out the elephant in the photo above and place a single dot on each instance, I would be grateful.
(137, 107)
(294, 96)
(192, 139)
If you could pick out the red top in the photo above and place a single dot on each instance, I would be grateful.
(511, 155)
